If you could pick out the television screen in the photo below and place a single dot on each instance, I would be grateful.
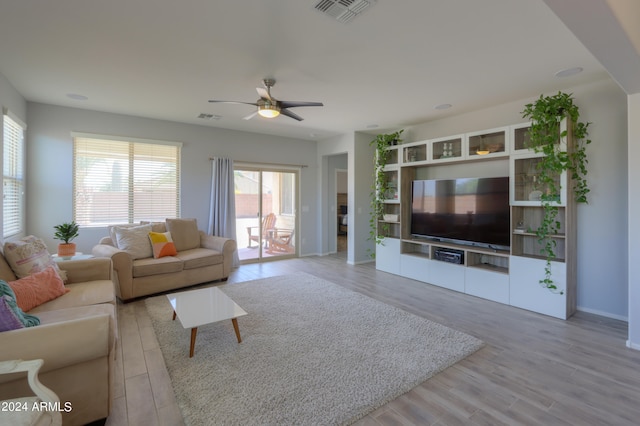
(467, 210)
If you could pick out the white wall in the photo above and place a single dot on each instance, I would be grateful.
(50, 147)
(602, 224)
(360, 166)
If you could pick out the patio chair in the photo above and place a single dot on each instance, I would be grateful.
(268, 228)
(282, 242)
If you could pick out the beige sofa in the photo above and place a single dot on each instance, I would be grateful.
(200, 258)
(76, 339)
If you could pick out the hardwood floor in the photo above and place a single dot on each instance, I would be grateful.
(533, 370)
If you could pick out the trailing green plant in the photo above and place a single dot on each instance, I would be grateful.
(380, 187)
(66, 232)
(545, 133)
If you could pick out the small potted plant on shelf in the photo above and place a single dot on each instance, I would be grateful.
(66, 232)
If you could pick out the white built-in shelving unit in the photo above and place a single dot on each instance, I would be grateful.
(511, 276)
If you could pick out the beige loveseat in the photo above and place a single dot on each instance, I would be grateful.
(76, 339)
(200, 258)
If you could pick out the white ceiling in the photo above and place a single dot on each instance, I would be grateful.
(389, 67)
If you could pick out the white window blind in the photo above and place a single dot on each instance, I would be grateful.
(120, 181)
(13, 177)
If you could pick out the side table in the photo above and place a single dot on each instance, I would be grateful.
(77, 256)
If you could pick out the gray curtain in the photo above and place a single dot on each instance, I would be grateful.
(222, 214)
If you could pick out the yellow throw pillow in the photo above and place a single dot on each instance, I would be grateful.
(162, 244)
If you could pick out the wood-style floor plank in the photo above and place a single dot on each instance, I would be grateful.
(533, 369)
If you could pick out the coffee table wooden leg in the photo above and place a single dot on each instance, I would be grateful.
(236, 328)
(194, 331)
(174, 316)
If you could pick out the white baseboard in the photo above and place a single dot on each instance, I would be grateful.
(635, 346)
(602, 313)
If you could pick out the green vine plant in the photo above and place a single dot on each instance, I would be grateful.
(546, 115)
(380, 187)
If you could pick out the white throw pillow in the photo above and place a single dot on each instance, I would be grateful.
(28, 256)
(134, 240)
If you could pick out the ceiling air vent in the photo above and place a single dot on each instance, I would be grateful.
(206, 116)
(343, 10)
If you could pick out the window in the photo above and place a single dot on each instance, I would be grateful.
(124, 181)
(12, 176)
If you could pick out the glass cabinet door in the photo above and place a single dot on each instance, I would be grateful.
(526, 184)
(485, 144)
(449, 149)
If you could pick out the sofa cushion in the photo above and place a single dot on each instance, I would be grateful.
(184, 232)
(134, 240)
(6, 292)
(155, 226)
(151, 266)
(29, 255)
(38, 288)
(199, 257)
(162, 244)
(87, 293)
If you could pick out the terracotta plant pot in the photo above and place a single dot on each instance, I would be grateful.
(66, 250)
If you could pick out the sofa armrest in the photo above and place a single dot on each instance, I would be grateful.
(62, 343)
(79, 271)
(122, 267)
(226, 246)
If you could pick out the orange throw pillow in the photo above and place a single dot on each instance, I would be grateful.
(38, 288)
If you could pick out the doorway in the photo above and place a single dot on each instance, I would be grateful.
(266, 213)
(342, 197)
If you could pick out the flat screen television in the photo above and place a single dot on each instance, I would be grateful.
(471, 211)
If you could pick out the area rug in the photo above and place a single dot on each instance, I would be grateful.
(312, 353)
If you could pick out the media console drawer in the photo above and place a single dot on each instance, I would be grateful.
(487, 284)
(447, 275)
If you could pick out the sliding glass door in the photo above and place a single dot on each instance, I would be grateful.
(265, 213)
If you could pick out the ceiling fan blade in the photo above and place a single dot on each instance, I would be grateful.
(233, 102)
(250, 116)
(264, 93)
(291, 104)
(288, 113)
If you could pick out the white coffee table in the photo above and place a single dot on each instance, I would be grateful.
(204, 306)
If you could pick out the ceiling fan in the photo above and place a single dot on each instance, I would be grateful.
(269, 106)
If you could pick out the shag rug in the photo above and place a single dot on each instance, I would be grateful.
(312, 353)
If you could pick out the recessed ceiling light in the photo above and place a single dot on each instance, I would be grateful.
(568, 72)
(442, 106)
(77, 97)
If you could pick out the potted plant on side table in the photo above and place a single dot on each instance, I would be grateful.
(66, 232)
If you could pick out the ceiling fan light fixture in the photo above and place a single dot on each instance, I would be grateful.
(269, 111)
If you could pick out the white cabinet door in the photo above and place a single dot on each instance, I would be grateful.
(526, 291)
(388, 256)
(487, 284)
(447, 275)
(415, 267)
